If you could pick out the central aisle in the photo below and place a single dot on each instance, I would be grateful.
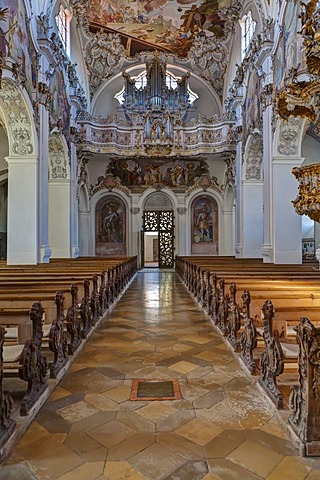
(221, 428)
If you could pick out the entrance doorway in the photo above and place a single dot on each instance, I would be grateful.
(158, 239)
(151, 249)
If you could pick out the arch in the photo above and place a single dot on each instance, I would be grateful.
(110, 226)
(16, 114)
(158, 201)
(103, 101)
(164, 191)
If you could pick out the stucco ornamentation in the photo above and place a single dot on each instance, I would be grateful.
(17, 116)
(58, 163)
(104, 57)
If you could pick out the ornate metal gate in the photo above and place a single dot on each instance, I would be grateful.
(163, 223)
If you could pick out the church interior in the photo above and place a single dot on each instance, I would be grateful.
(159, 239)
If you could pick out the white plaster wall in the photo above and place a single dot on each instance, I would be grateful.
(253, 219)
(59, 214)
(4, 149)
(287, 224)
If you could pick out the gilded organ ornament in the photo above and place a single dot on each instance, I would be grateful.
(308, 199)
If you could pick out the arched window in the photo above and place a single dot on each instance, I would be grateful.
(248, 27)
(63, 19)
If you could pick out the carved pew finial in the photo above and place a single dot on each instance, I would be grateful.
(85, 310)
(73, 321)
(271, 360)
(248, 339)
(58, 342)
(233, 319)
(33, 365)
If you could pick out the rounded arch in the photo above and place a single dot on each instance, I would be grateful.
(153, 192)
(104, 103)
(16, 114)
(93, 226)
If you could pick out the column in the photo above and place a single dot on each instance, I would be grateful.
(267, 247)
(59, 218)
(252, 210)
(182, 231)
(287, 235)
(45, 250)
(22, 210)
(74, 203)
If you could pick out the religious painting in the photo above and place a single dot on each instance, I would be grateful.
(204, 226)
(15, 42)
(110, 226)
(167, 25)
(252, 113)
(308, 249)
(60, 108)
(286, 56)
(142, 173)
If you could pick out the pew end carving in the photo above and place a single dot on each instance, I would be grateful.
(248, 338)
(233, 319)
(33, 365)
(271, 362)
(58, 342)
(304, 400)
(73, 321)
(85, 309)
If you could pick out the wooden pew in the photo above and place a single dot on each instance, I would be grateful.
(30, 364)
(7, 423)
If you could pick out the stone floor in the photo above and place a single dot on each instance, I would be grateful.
(221, 428)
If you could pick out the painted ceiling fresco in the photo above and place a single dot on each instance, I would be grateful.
(167, 25)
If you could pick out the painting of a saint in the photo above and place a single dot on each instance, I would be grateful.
(168, 25)
(252, 103)
(204, 238)
(110, 227)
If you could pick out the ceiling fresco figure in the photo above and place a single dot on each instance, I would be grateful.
(168, 25)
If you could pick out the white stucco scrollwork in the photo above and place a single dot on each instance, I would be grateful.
(254, 160)
(58, 166)
(289, 137)
(209, 58)
(104, 56)
(20, 129)
(158, 201)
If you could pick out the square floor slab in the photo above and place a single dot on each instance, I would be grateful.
(148, 390)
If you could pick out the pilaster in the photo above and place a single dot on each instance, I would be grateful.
(22, 210)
